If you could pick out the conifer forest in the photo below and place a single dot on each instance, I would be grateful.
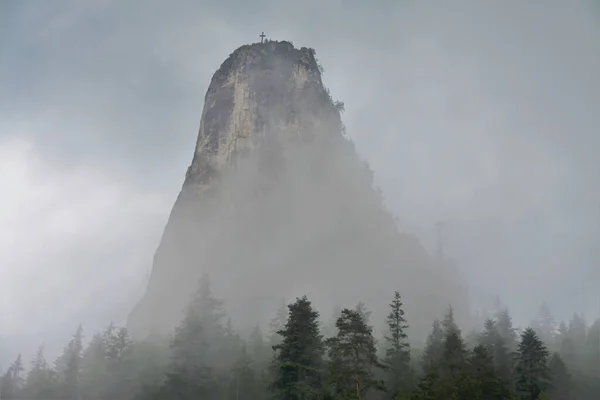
(301, 355)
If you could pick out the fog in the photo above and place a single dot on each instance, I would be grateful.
(479, 115)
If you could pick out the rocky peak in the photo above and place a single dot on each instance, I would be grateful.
(263, 93)
(276, 203)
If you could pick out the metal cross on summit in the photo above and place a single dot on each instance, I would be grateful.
(262, 37)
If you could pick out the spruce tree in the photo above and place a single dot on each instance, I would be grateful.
(245, 378)
(120, 363)
(353, 358)
(453, 367)
(190, 374)
(532, 375)
(489, 336)
(94, 368)
(434, 348)
(562, 384)
(484, 383)
(449, 324)
(68, 367)
(298, 364)
(506, 330)
(397, 353)
(40, 378)
(578, 333)
(544, 325)
(277, 323)
(591, 361)
(12, 381)
(494, 343)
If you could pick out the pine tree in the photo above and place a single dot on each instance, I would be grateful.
(562, 385)
(489, 336)
(493, 342)
(40, 378)
(449, 324)
(298, 365)
(353, 357)
(190, 374)
(565, 346)
(261, 356)
(532, 375)
(506, 330)
(484, 383)
(277, 323)
(434, 348)
(397, 353)
(245, 382)
(94, 369)
(364, 313)
(12, 381)
(68, 367)
(578, 333)
(545, 325)
(120, 363)
(454, 358)
(591, 362)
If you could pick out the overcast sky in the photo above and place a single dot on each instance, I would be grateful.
(483, 114)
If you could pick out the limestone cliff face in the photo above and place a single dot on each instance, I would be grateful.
(276, 204)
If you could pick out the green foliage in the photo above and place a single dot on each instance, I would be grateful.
(11, 383)
(397, 353)
(532, 375)
(434, 348)
(298, 365)
(207, 359)
(352, 357)
(68, 367)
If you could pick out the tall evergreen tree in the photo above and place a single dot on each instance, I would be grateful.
(68, 367)
(495, 345)
(94, 368)
(397, 353)
(120, 363)
(532, 375)
(245, 382)
(40, 378)
(545, 325)
(352, 358)
(489, 336)
(454, 357)
(506, 330)
(12, 381)
(277, 323)
(578, 333)
(562, 384)
(298, 364)
(365, 314)
(190, 374)
(591, 361)
(449, 323)
(434, 348)
(484, 383)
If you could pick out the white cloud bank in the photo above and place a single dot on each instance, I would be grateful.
(67, 235)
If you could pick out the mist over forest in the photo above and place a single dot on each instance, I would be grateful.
(390, 153)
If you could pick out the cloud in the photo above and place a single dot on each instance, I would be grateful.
(482, 114)
(67, 234)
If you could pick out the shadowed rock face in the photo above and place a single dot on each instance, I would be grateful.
(276, 203)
